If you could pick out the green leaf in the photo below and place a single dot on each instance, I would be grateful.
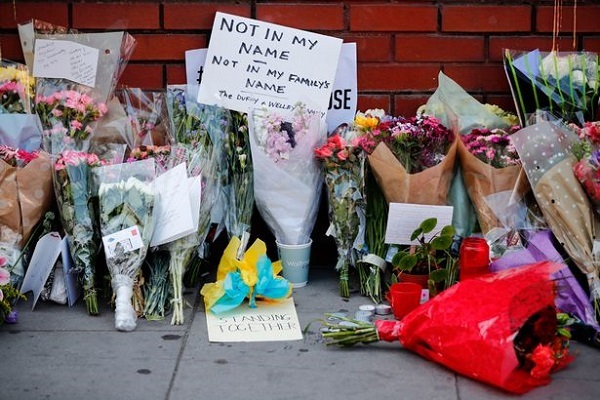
(438, 275)
(448, 230)
(441, 242)
(416, 234)
(407, 263)
(428, 225)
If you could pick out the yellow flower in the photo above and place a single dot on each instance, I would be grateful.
(366, 122)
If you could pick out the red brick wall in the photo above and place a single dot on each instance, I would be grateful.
(402, 45)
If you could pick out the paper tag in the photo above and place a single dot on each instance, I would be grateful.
(129, 238)
(65, 59)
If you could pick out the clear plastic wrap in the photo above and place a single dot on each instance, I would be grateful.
(126, 201)
(566, 84)
(545, 151)
(287, 180)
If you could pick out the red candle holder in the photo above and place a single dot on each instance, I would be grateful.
(474, 258)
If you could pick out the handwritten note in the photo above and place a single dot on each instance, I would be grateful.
(45, 254)
(65, 59)
(404, 218)
(173, 210)
(273, 321)
(130, 239)
(252, 64)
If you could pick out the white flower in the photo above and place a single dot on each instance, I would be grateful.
(554, 66)
(577, 77)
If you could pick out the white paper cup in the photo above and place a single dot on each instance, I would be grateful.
(295, 261)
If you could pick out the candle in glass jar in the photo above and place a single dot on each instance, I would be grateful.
(474, 258)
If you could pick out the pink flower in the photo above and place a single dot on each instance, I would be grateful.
(323, 152)
(1, 295)
(343, 154)
(76, 125)
(4, 276)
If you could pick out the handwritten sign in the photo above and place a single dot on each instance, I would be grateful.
(269, 321)
(65, 59)
(252, 64)
(404, 218)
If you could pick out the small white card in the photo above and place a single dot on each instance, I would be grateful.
(404, 218)
(194, 68)
(173, 209)
(65, 59)
(130, 238)
(45, 254)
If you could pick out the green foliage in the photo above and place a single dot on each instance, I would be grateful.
(431, 256)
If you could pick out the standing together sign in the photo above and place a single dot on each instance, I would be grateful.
(252, 64)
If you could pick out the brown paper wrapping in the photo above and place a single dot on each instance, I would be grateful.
(482, 180)
(429, 187)
(10, 216)
(25, 195)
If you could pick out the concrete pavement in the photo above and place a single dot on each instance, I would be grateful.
(56, 352)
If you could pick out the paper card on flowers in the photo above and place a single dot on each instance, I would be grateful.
(404, 218)
(253, 64)
(269, 321)
(172, 208)
(130, 239)
(65, 59)
(45, 254)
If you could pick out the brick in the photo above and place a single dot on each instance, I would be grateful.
(116, 16)
(368, 102)
(470, 18)
(55, 12)
(487, 78)
(587, 19)
(176, 74)
(432, 48)
(10, 48)
(384, 77)
(393, 17)
(525, 43)
(323, 17)
(199, 16)
(591, 44)
(168, 47)
(407, 105)
(145, 76)
(371, 48)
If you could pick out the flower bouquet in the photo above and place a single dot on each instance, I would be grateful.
(251, 276)
(343, 163)
(126, 202)
(371, 127)
(25, 192)
(522, 343)
(240, 178)
(71, 108)
(564, 83)
(73, 190)
(415, 162)
(287, 177)
(494, 178)
(545, 151)
(199, 128)
(587, 153)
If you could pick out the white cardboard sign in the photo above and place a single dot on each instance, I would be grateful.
(404, 218)
(252, 64)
